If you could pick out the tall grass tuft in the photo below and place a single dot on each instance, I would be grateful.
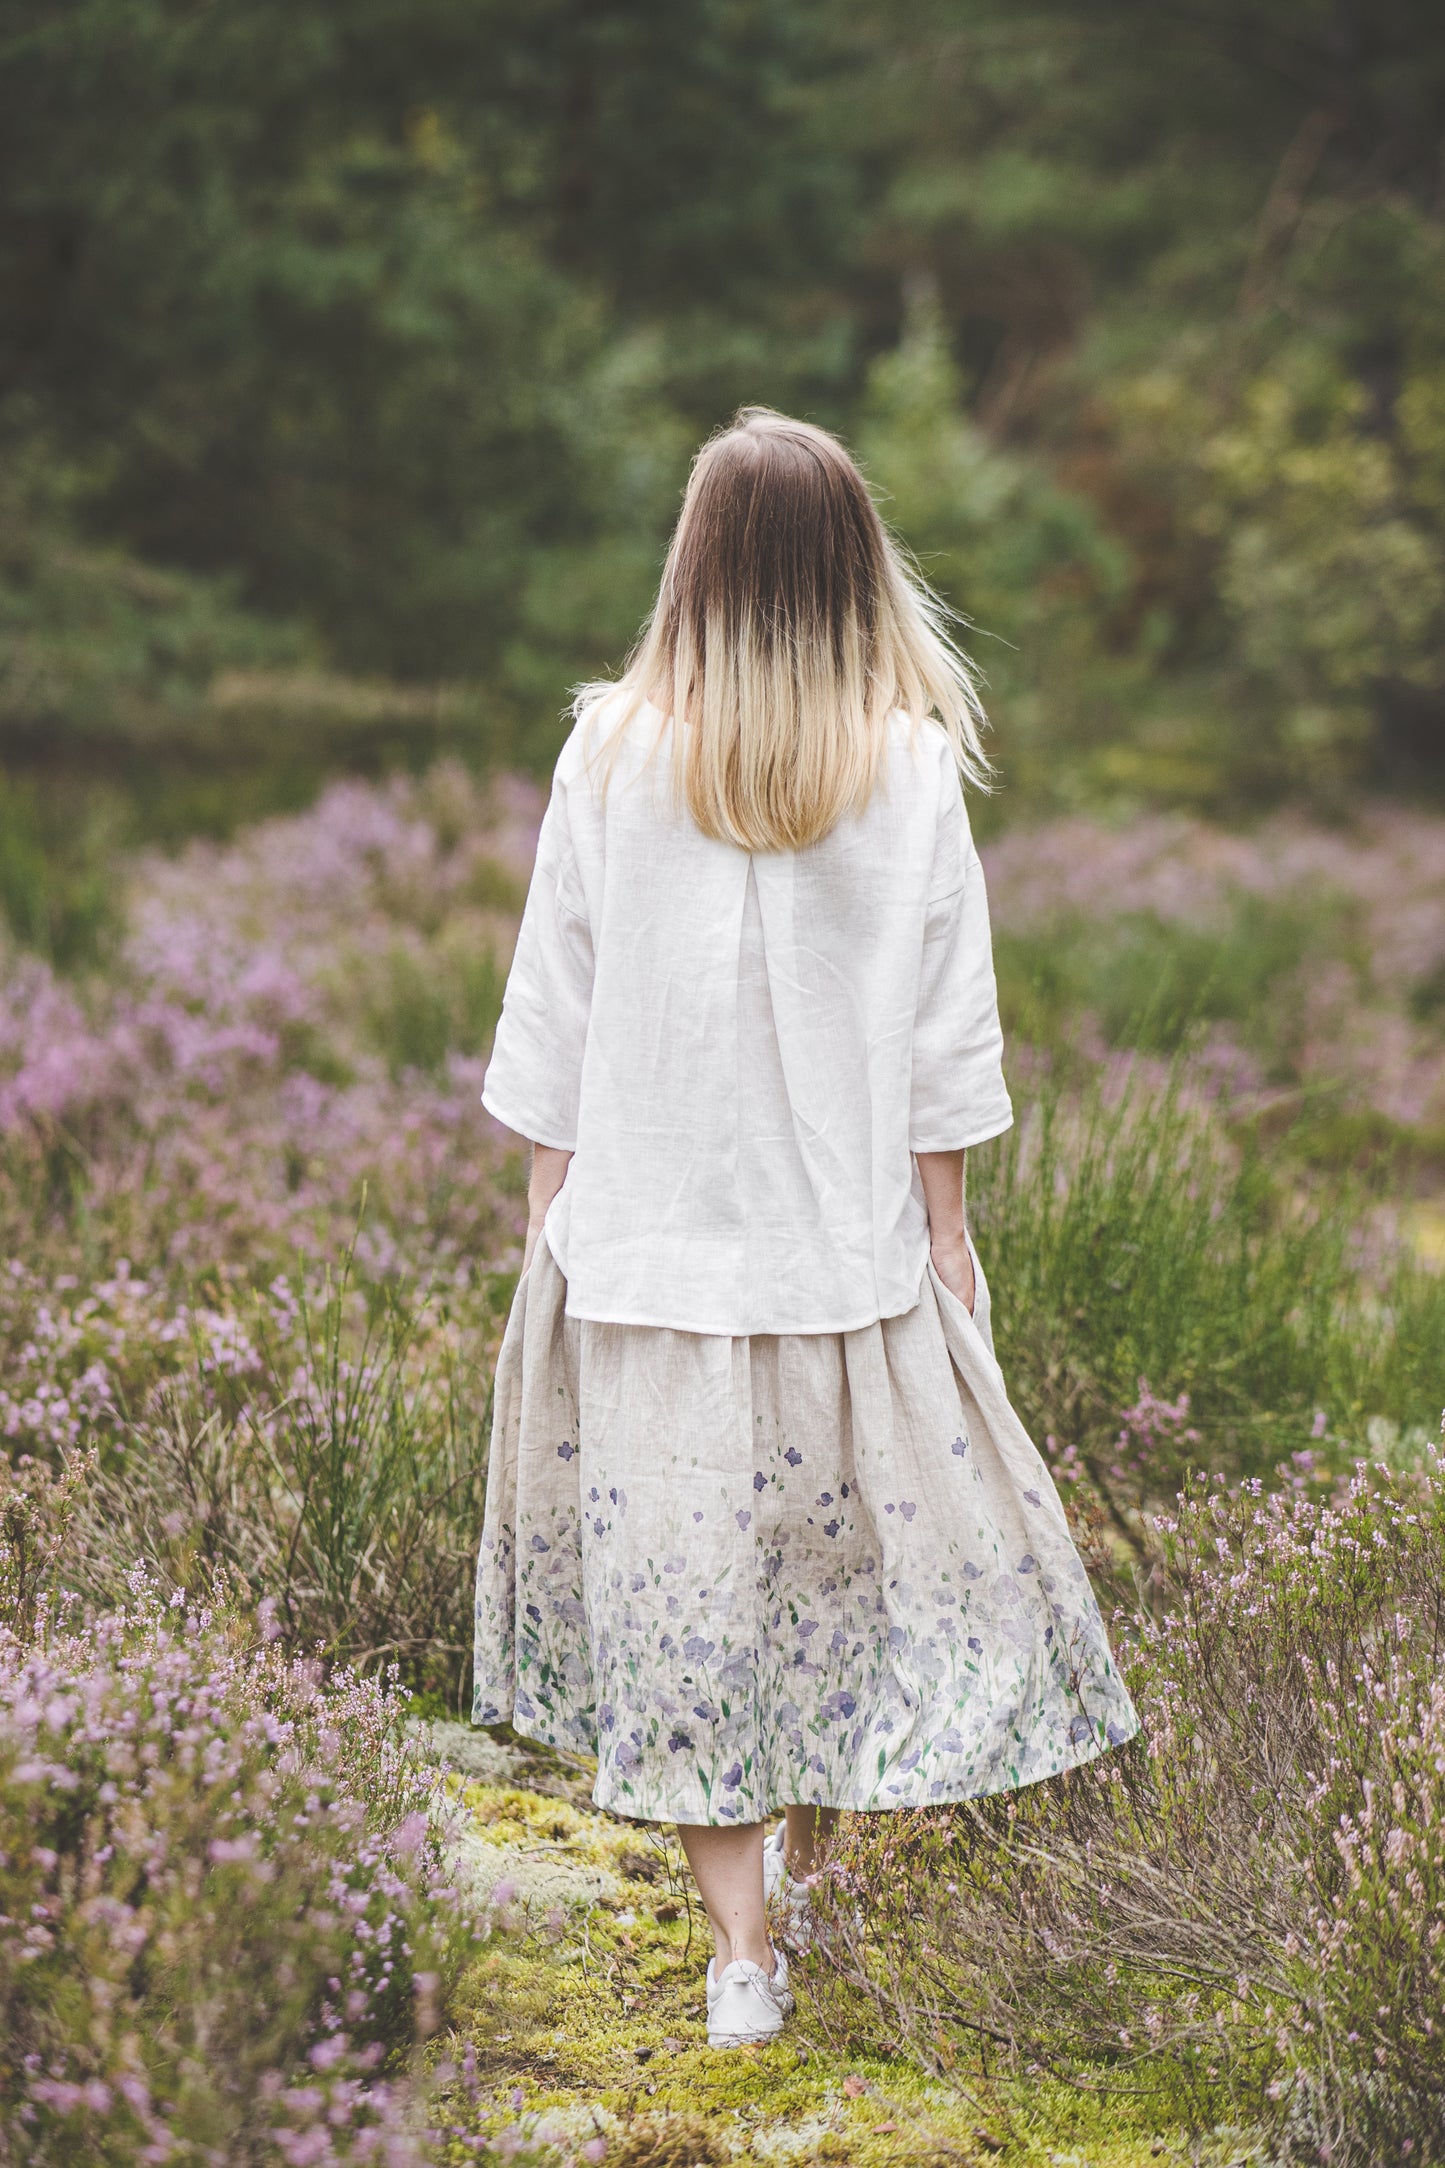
(340, 1481)
(418, 1006)
(60, 875)
(1135, 1249)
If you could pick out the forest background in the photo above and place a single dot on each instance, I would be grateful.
(351, 362)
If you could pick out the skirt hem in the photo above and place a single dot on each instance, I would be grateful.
(630, 1811)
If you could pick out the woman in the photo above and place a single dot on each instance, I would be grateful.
(762, 1530)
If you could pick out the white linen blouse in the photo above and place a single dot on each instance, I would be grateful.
(743, 1050)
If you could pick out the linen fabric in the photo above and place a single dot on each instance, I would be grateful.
(743, 1050)
(829, 1569)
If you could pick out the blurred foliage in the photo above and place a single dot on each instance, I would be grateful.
(395, 328)
(1150, 982)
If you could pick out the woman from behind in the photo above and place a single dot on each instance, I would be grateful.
(763, 1531)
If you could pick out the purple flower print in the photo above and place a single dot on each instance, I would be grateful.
(959, 1446)
(793, 1457)
(760, 1481)
(830, 1528)
(743, 1519)
(696, 1650)
(907, 1507)
(733, 1777)
(1033, 1498)
(566, 1451)
(540, 1544)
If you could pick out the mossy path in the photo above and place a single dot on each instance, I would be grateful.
(587, 2036)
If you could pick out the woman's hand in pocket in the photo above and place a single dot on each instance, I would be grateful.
(549, 1172)
(954, 1266)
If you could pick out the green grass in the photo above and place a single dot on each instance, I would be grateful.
(1131, 1238)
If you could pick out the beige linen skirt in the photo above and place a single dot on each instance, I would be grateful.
(825, 1568)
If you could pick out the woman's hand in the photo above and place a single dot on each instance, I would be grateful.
(941, 1174)
(549, 1172)
(954, 1266)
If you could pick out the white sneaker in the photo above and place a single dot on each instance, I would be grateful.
(745, 2004)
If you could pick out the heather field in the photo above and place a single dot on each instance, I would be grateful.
(352, 362)
(259, 1238)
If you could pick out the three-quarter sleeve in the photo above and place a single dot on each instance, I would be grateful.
(534, 1078)
(958, 1095)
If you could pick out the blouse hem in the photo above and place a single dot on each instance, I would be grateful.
(744, 1332)
(529, 1133)
(995, 1127)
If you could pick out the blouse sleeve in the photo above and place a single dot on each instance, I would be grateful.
(959, 1095)
(533, 1080)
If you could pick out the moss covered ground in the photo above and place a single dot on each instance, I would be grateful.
(583, 2034)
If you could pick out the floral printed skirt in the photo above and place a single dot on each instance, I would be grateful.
(823, 1568)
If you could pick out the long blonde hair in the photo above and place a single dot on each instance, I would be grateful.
(788, 629)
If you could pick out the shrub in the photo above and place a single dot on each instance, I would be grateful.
(225, 1911)
(1243, 1913)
